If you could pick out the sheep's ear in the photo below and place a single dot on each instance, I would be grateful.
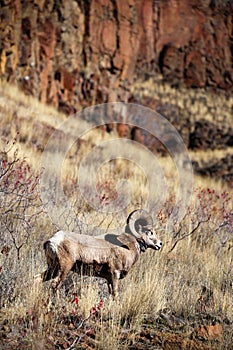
(126, 240)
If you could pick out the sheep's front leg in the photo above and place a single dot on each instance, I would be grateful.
(115, 283)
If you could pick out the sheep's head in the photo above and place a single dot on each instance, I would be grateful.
(140, 224)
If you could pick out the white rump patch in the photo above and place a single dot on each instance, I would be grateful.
(56, 240)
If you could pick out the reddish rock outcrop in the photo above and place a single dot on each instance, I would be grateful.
(210, 332)
(76, 53)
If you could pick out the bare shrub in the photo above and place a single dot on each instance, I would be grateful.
(20, 203)
(19, 211)
(208, 220)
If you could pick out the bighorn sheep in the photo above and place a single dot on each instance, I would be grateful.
(109, 256)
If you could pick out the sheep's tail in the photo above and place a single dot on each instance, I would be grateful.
(50, 250)
(52, 261)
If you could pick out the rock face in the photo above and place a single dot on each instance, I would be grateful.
(207, 135)
(76, 53)
(73, 54)
(221, 169)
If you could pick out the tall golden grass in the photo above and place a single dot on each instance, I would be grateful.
(172, 280)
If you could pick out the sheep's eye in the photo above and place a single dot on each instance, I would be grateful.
(149, 233)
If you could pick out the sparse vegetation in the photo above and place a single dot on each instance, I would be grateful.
(180, 297)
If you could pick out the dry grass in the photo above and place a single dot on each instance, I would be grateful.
(195, 103)
(31, 315)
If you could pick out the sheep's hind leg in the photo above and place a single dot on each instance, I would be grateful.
(50, 273)
(63, 273)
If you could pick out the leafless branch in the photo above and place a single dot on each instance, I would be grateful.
(187, 234)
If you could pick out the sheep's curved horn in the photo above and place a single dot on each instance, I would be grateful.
(138, 221)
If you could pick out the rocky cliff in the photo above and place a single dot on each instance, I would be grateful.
(174, 56)
(77, 53)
